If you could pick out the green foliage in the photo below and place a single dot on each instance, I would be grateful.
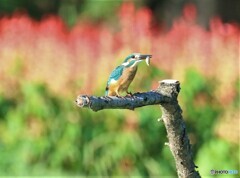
(236, 101)
(6, 104)
(33, 128)
(201, 109)
(100, 10)
(46, 134)
(44, 66)
(217, 155)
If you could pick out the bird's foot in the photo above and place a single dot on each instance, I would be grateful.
(129, 94)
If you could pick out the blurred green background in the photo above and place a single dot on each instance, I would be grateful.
(52, 51)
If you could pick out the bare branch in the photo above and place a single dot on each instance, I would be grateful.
(127, 102)
(166, 95)
(176, 131)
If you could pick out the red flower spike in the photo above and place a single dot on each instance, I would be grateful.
(190, 12)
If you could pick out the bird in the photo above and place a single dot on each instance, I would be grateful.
(122, 76)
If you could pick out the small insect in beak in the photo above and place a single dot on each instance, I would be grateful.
(148, 60)
(146, 57)
(141, 57)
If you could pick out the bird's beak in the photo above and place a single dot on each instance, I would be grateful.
(146, 57)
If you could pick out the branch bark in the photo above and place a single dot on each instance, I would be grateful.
(176, 131)
(127, 102)
(166, 95)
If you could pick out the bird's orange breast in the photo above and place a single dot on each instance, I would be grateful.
(122, 84)
(126, 78)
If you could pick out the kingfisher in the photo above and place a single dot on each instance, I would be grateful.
(122, 76)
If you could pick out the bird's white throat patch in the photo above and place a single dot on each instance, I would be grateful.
(125, 63)
(113, 81)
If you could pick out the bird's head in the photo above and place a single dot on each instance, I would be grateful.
(133, 59)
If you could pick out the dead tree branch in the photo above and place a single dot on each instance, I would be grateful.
(127, 102)
(166, 95)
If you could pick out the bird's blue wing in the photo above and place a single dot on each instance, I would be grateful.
(116, 74)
